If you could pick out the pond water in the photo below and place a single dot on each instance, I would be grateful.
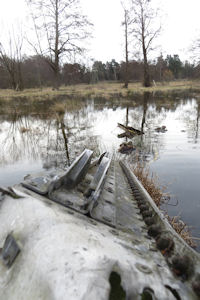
(37, 137)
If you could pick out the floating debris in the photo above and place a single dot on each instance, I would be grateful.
(126, 134)
(24, 129)
(129, 131)
(161, 129)
(126, 148)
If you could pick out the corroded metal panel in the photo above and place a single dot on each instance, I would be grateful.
(66, 254)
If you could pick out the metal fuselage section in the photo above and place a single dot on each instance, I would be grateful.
(70, 251)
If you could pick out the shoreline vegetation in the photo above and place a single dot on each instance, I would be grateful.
(106, 90)
(159, 195)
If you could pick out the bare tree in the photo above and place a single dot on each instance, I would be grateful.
(126, 24)
(60, 29)
(145, 31)
(11, 59)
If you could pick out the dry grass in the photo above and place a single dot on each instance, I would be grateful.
(182, 229)
(151, 184)
(160, 196)
(103, 89)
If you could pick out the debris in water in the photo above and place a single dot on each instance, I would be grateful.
(161, 129)
(126, 148)
(129, 131)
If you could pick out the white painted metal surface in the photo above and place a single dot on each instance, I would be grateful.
(65, 255)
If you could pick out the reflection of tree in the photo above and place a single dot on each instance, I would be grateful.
(61, 121)
(146, 117)
(190, 117)
(127, 109)
(15, 143)
(197, 122)
(145, 101)
(56, 152)
(56, 137)
(80, 125)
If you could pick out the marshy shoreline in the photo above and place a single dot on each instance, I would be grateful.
(107, 90)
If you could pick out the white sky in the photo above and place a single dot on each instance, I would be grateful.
(180, 25)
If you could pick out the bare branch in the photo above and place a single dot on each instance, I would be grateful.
(144, 30)
(62, 27)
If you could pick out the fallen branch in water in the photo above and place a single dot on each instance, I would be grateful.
(130, 130)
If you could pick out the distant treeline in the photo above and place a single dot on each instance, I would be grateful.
(35, 71)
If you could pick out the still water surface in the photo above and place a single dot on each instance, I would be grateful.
(36, 137)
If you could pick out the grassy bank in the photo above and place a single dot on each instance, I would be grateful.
(104, 89)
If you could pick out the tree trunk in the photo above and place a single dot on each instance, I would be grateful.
(145, 103)
(65, 140)
(126, 50)
(56, 73)
(56, 51)
(20, 80)
(13, 82)
(147, 80)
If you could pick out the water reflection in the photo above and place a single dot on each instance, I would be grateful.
(36, 137)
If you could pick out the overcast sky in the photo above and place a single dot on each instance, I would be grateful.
(180, 25)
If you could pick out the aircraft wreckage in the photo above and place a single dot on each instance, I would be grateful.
(91, 232)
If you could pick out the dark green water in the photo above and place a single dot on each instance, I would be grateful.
(35, 137)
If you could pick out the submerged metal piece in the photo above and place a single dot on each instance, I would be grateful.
(10, 250)
(61, 191)
(78, 188)
(63, 246)
(38, 184)
(99, 177)
(47, 183)
(86, 193)
(74, 174)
